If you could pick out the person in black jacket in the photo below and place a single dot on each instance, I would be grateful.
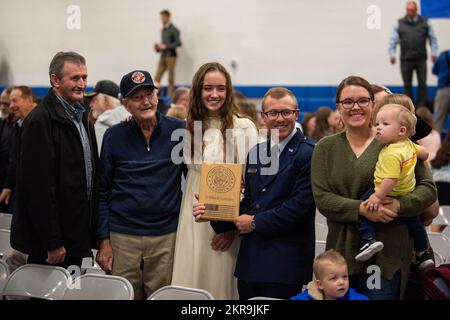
(7, 124)
(22, 102)
(56, 172)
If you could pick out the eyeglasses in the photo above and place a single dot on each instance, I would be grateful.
(141, 97)
(349, 103)
(273, 114)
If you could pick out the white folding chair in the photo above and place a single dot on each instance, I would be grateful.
(441, 219)
(320, 218)
(172, 292)
(438, 260)
(440, 244)
(5, 247)
(320, 246)
(321, 231)
(93, 270)
(5, 221)
(38, 281)
(99, 287)
(89, 265)
(445, 210)
(446, 232)
(4, 273)
(15, 259)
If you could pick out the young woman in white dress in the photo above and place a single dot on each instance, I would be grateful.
(204, 259)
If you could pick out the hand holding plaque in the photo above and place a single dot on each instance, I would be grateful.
(220, 187)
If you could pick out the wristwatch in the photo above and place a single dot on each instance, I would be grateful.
(252, 224)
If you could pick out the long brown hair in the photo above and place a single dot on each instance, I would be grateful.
(306, 117)
(322, 125)
(197, 110)
(443, 155)
(426, 116)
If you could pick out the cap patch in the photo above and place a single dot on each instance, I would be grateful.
(138, 77)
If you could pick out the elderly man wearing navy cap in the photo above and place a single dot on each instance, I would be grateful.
(140, 190)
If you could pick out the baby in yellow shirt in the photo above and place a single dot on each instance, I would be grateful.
(394, 176)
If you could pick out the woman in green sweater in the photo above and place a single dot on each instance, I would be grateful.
(342, 172)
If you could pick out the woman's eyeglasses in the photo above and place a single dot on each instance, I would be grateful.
(349, 103)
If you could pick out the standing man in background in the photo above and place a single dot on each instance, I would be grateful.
(170, 36)
(412, 32)
(441, 68)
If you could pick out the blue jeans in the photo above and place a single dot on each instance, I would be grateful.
(389, 289)
(366, 228)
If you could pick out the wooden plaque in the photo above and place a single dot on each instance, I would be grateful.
(220, 188)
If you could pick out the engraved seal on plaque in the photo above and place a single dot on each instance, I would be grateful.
(220, 179)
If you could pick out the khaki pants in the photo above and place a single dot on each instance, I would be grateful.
(167, 63)
(145, 261)
(441, 107)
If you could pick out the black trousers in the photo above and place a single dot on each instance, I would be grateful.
(420, 66)
(443, 189)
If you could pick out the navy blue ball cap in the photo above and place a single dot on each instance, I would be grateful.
(133, 80)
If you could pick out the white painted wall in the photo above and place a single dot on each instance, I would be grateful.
(284, 42)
